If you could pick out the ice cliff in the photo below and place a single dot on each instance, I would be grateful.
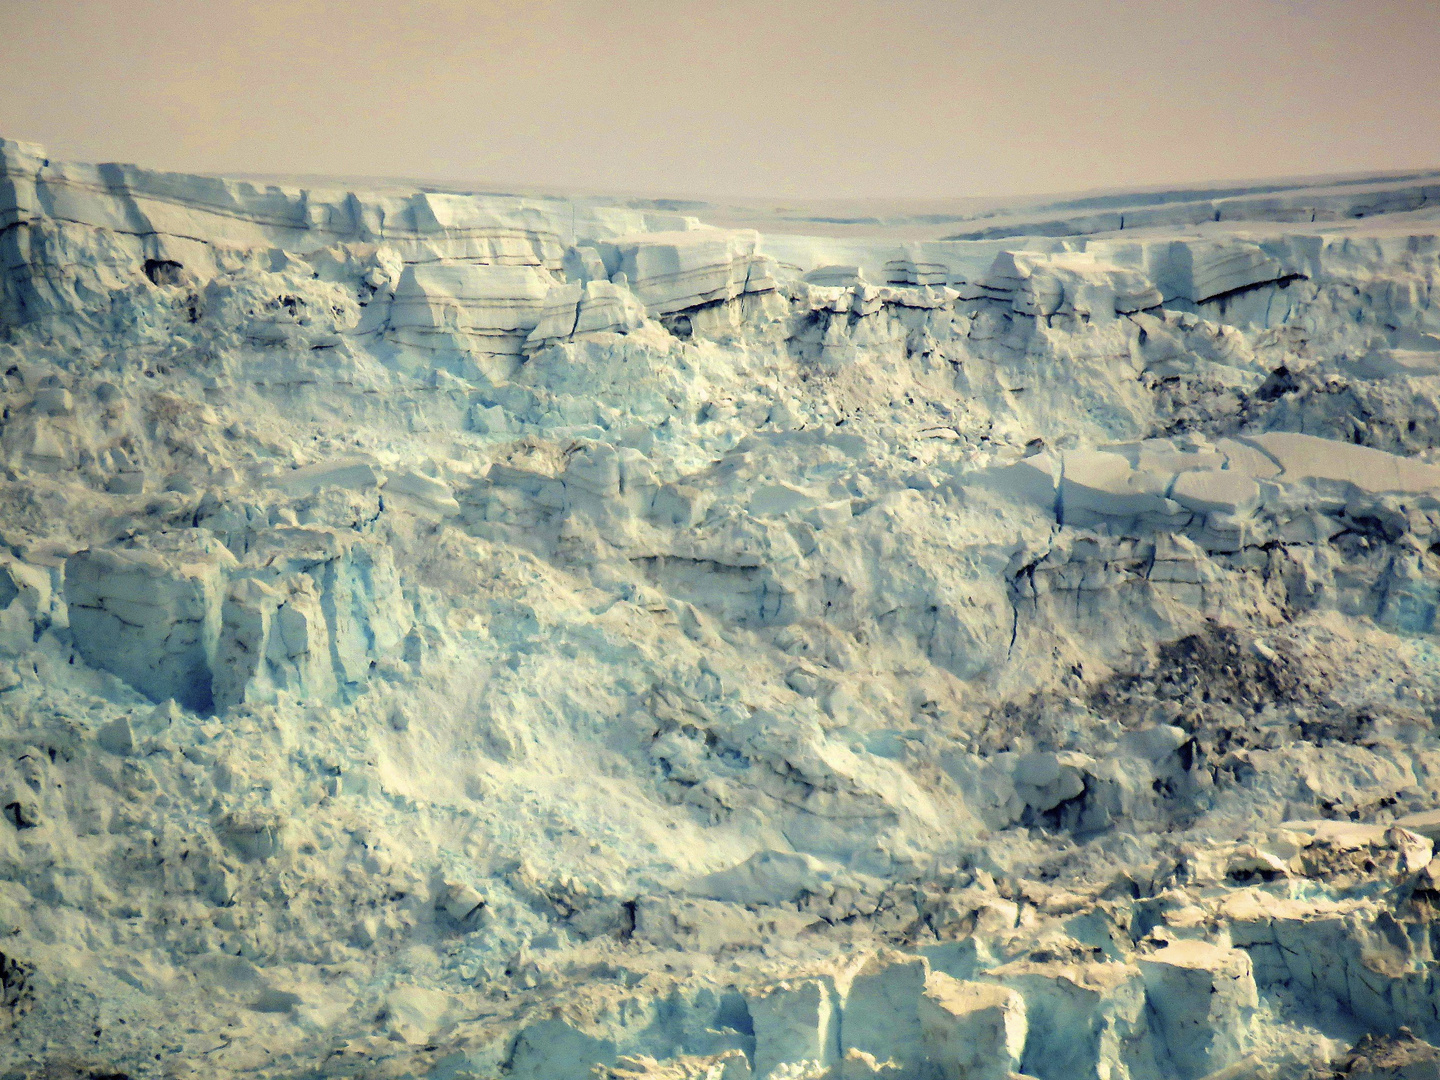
(471, 636)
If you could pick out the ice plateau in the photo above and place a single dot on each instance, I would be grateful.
(460, 636)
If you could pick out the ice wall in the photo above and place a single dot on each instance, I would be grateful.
(463, 635)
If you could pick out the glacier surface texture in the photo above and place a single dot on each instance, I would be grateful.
(462, 636)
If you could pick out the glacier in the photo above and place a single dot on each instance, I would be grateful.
(463, 636)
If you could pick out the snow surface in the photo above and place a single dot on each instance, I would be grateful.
(461, 636)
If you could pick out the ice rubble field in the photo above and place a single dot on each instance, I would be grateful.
(465, 636)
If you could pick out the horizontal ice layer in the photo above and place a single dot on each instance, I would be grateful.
(1347, 199)
(1036, 276)
(70, 231)
(589, 307)
(672, 271)
(463, 307)
(1239, 278)
(1270, 476)
(1070, 283)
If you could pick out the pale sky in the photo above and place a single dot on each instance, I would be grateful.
(782, 98)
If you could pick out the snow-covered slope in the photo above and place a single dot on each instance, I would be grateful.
(462, 636)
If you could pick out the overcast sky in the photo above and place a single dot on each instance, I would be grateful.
(782, 98)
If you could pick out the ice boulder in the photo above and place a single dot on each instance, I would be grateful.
(1308, 457)
(1100, 484)
(25, 600)
(1333, 848)
(556, 1050)
(1425, 823)
(349, 474)
(273, 637)
(309, 612)
(795, 1022)
(767, 877)
(312, 613)
(858, 1065)
(1398, 1057)
(1086, 1020)
(729, 1065)
(414, 1013)
(835, 276)
(1227, 492)
(881, 1010)
(422, 491)
(971, 1031)
(152, 615)
(1045, 780)
(1203, 997)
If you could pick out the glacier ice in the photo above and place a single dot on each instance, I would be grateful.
(971, 1029)
(459, 636)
